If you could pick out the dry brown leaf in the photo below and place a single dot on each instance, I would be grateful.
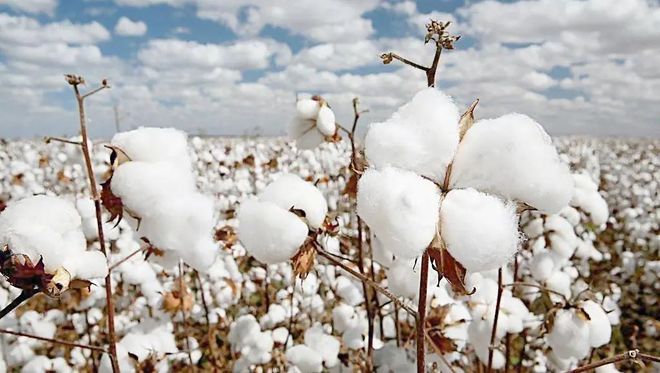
(303, 261)
(227, 235)
(467, 120)
(351, 187)
(448, 267)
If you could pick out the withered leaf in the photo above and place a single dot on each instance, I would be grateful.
(467, 120)
(80, 284)
(449, 268)
(441, 344)
(351, 186)
(111, 202)
(249, 160)
(226, 234)
(23, 274)
(303, 261)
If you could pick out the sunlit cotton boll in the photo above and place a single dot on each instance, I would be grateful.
(268, 232)
(401, 208)
(153, 144)
(421, 136)
(291, 192)
(306, 359)
(481, 231)
(513, 156)
(314, 121)
(600, 329)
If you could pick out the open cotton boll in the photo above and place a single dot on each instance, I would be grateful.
(600, 329)
(326, 345)
(306, 359)
(305, 133)
(325, 121)
(87, 265)
(308, 108)
(153, 144)
(569, 337)
(587, 198)
(290, 191)
(480, 230)
(268, 232)
(512, 156)
(143, 186)
(421, 136)
(401, 208)
(402, 279)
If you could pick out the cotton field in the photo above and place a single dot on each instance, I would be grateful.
(232, 300)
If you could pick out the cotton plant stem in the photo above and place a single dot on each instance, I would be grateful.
(54, 341)
(49, 139)
(22, 297)
(184, 319)
(421, 313)
(633, 355)
(123, 260)
(367, 296)
(540, 287)
(369, 281)
(491, 349)
(80, 99)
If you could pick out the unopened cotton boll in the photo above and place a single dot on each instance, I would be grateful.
(513, 156)
(569, 337)
(268, 232)
(600, 329)
(480, 230)
(291, 192)
(401, 208)
(421, 136)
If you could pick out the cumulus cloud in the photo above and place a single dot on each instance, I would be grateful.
(32, 6)
(127, 27)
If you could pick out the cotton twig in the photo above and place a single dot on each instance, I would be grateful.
(633, 355)
(500, 290)
(54, 341)
(49, 139)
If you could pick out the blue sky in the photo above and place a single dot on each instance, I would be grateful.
(234, 67)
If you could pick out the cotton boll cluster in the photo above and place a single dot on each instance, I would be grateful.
(320, 350)
(254, 346)
(155, 183)
(314, 122)
(48, 229)
(270, 229)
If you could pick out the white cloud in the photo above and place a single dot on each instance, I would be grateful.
(127, 27)
(28, 31)
(32, 6)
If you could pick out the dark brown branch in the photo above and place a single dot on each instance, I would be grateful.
(55, 341)
(633, 355)
(25, 295)
(123, 260)
(49, 139)
(421, 313)
(491, 349)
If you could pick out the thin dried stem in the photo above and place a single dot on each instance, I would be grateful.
(389, 56)
(491, 349)
(49, 139)
(369, 281)
(22, 297)
(421, 312)
(80, 99)
(123, 260)
(513, 284)
(54, 341)
(439, 353)
(367, 297)
(184, 319)
(633, 355)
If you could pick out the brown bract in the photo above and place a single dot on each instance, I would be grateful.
(304, 259)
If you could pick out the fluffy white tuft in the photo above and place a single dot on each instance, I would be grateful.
(290, 191)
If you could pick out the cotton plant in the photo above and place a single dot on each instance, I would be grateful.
(152, 184)
(436, 178)
(44, 248)
(314, 123)
(319, 351)
(253, 345)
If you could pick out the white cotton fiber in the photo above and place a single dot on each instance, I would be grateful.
(326, 345)
(152, 144)
(587, 198)
(512, 156)
(421, 136)
(401, 208)
(402, 279)
(325, 121)
(569, 337)
(290, 191)
(50, 228)
(305, 359)
(307, 108)
(600, 328)
(480, 230)
(268, 232)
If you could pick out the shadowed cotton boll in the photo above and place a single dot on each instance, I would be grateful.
(480, 230)
(421, 136)
(268, 232)
(306, 359)
(512, 156)
(401, 208)
(569, 337)
(326, 345)
(600, 329)
(587, 198)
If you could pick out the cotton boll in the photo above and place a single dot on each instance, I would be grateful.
(569, 337)
(291, 192)
(343, 317)
(87, 265)
(560, 282)
(326, 345)
(512, 156)
(325, 121)
(421, 136)
(541, 266)
(305, 359)
(533, 228)
(152, 144)
(402, 279)
(305, 133)
(349, 291)
(307, 109)
(561, 226)
(268, 232)
(480, 231)
(401, 208)
(600, 329)
(560, 246)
